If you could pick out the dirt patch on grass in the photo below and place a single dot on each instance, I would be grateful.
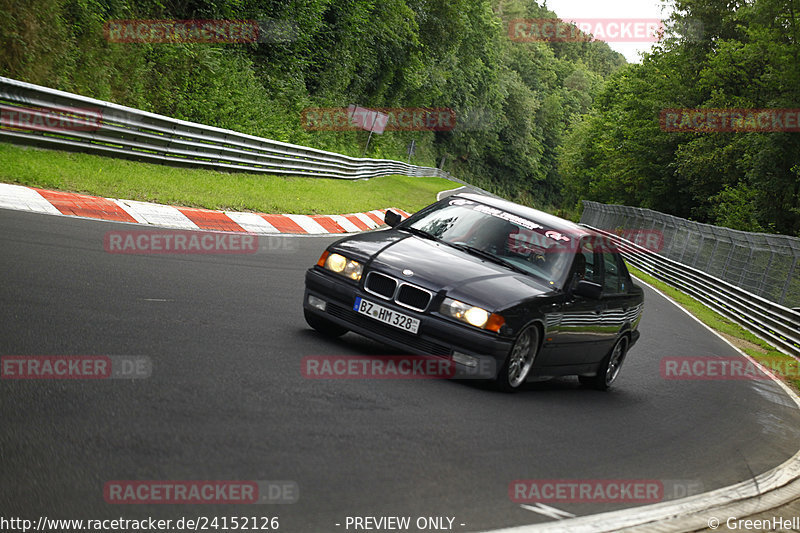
(743, 344)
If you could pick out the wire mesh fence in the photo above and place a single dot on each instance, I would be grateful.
(763, 264)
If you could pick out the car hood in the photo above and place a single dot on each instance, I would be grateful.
(437, 266)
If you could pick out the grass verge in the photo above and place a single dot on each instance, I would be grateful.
(130, 180)
(787, 367)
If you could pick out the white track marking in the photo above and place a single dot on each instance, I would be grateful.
(366, 220)
(23, 198)
(307, 223)
(546, 510)
(348, 226)
(156, 214)
(252, 222)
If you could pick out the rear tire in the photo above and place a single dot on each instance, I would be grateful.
(520, 360)
(609, 369)
(323, 326)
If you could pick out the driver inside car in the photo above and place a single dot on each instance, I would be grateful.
(492, 236)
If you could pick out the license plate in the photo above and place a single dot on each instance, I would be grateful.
(386, 315)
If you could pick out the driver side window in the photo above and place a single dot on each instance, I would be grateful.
(585, 265)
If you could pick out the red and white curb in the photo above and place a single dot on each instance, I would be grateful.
(189, 218)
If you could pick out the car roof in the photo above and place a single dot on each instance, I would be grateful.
(551, 221)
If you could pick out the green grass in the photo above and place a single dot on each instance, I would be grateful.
(787, 366)
(117, 178)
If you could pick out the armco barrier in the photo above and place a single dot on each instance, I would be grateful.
(776, 324)
(760, 263)
(40, 116)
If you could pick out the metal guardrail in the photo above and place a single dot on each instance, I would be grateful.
(761, 263)
(776, 324)
(66, 121)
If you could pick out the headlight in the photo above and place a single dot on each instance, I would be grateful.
(341, 265)
(474, 316)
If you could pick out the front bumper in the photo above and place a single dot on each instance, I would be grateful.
(436, 336)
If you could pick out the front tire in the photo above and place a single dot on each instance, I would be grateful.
(325, 327)
(609, 369)
(520, 359)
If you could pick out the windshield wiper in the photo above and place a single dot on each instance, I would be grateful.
(420, 233)
(489, 256)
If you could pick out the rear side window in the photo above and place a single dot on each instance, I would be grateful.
(613, 279)
(624, 275)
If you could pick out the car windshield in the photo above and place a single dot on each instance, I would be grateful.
(518, 243)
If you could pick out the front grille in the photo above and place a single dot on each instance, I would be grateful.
(413, 297)
(380, 284)
(414, 342)
(407, 295)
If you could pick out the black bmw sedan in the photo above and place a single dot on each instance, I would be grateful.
(487, 284)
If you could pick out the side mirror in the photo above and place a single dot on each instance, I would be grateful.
(588, 289)
(392, 218)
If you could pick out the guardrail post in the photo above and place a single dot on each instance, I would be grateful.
(685, 244)
(788, 281)
(762, 285)
(724, 273)
(699, 248)
(744, 268)
(713, 253)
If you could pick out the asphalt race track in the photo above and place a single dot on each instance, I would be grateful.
(227, 401)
